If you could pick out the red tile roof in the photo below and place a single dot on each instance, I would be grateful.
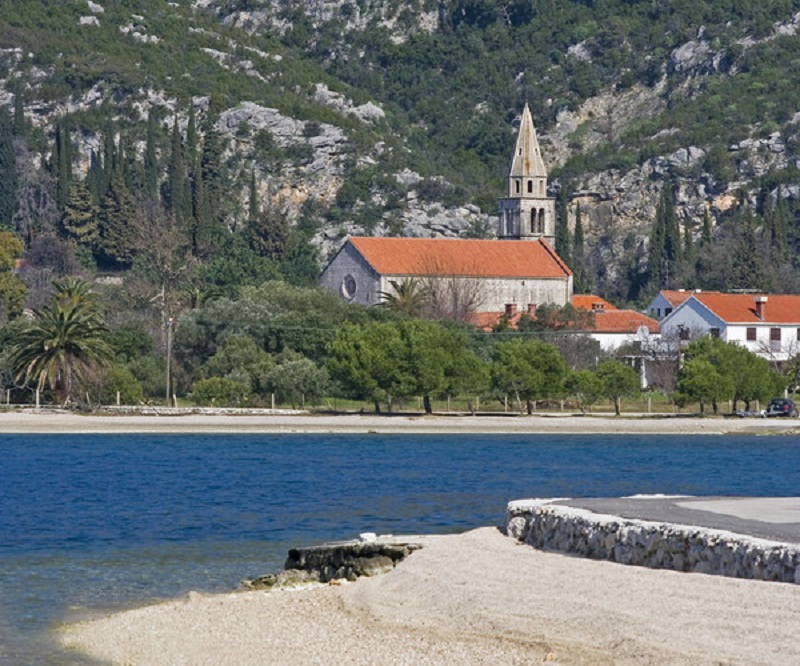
(623, 321)
(473, 258)
(741, 308)
(590, 302)
(678, 296)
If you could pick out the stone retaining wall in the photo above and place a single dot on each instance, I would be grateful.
(547, 526)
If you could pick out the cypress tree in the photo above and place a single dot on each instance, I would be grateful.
(8, 171)
(177, 194)
(705, 235)
(655, 252)
(19, 111)
(779, 225)
(62, 163)
(191, 137)
(562, 226)
(747, 267)
(106, 168)
(269, 234)
(252, 208)
(150, 158)
(580, 279)
(116, 217)
(79, 220)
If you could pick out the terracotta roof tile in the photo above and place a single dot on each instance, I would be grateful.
(590, 302)
(623, 321)
(448, 256)
(678, 296)
(741, 308)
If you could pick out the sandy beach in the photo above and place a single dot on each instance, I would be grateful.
(475, 598)
(231, 421)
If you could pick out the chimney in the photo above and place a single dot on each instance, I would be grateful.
(511, 309)
(761, 306)
(532, 310)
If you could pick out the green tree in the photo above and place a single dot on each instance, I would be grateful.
(747, 267)
(297, 380)
(12, 289)
(585, 386)
(239, 358)
(528, 370)
(269, 234)
(8, 170)
(117, 217)
(581, 280)
(700, 381)
(220, 392)
(65, 342)
(752, 377)
(366, 360)
(80, 218)
(619, 381)
(563, 245)
(151, 165)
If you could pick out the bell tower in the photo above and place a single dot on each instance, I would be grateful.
(526, 212)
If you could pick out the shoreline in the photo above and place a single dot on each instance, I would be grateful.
(54, 421)
(474, 598)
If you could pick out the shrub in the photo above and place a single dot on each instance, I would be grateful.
(220, 391)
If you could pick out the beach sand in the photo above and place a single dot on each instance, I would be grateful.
(227, 421)
(474, 598)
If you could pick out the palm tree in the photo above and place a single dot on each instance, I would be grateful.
(408, 297)
(65, 341)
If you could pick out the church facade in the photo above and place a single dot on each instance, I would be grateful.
(514, 273)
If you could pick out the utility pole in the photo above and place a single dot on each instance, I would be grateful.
(169, 361)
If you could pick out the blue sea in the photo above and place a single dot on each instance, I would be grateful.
(92, 524)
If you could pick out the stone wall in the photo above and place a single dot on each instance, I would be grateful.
(547, 526)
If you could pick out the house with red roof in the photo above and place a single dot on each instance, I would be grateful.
(667, 300)
(614, 328)
(515, 273)
(766, 324)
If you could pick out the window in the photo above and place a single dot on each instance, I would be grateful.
(714, 333)
(684, 333)
(530, 187)
(533, 221)
(775, 339)
(516, 186)
(798, 333)
(349, 287)
(751, 334)
(667, 311)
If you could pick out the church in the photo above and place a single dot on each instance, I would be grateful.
(516, 272)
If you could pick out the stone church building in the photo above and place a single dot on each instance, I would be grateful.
(515, 273)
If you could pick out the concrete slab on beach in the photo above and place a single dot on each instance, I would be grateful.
(771, 518)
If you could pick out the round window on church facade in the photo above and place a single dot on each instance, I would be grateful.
(349, 287)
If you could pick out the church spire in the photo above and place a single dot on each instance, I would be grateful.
(527, 161)
(526, 212)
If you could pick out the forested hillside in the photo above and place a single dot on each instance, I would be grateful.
(183, 151)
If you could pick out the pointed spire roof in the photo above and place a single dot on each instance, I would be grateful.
(527, 162)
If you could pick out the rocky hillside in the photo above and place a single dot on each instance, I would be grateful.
(370, 116)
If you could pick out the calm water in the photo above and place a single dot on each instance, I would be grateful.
(94, 523)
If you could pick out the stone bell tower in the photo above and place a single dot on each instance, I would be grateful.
(526, 212)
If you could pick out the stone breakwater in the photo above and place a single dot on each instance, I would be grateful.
(656, 545)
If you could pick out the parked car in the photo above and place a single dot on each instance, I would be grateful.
(781, 407)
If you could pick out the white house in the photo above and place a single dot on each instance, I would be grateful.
(614, 328)
(766, 324)
(667, 300)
